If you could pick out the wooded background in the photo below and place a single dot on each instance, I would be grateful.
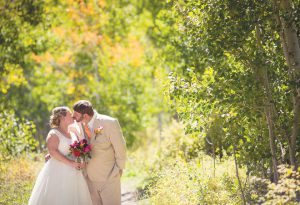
(220, 77)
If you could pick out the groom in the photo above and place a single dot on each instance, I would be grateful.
(108, 153)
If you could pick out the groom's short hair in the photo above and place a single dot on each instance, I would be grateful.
(84, 107)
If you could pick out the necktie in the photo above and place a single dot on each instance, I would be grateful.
(87, 131)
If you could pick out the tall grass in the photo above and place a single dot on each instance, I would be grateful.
(181, 182)
(172, 176)
(17, 178)
(176, 171)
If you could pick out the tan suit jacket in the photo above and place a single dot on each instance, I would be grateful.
(107, 158)
(108, 150)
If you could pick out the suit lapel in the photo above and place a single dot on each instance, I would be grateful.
(96, 124)
(93, 135)
(92, 131)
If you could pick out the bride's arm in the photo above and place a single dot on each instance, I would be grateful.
(52, 145)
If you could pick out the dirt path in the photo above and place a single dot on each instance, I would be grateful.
(130, 193)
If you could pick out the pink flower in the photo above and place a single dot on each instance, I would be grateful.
(80, 150)
(87, 149)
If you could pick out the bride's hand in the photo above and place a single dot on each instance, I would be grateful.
(76, 165)
(83, 165)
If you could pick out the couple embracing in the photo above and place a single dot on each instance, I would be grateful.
(62, 180)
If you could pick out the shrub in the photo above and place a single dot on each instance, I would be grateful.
(193, 182)
(16, 136)
(175, 143)
(179, 173)
(285, 191)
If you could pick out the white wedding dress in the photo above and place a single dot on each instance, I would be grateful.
(58, 183)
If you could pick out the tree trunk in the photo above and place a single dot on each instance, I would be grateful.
(269, 106)
(291, 50)
(214, 155)
(263, 79)
(237, 174)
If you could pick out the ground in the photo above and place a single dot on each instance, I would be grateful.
(130, 192)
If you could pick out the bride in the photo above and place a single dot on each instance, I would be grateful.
(60, 182)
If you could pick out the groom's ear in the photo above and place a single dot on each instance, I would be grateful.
(85, 116)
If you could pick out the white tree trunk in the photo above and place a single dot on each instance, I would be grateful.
(291, 49)
(263, 79)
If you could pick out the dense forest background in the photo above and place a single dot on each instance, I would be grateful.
(207, 92)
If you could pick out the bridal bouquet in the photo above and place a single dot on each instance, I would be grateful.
(81, 150)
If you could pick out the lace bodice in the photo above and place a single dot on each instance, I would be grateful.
(64, 142)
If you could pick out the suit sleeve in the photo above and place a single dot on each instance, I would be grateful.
(118, 142)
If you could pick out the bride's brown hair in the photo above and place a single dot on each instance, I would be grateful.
(56, 115)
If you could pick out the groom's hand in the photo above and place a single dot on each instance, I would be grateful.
(47, 157)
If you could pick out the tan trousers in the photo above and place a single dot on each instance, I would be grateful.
(106, 193)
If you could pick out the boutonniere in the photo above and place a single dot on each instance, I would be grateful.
(98, 130)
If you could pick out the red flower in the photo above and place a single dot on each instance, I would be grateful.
(80, 150)
(76, 153)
